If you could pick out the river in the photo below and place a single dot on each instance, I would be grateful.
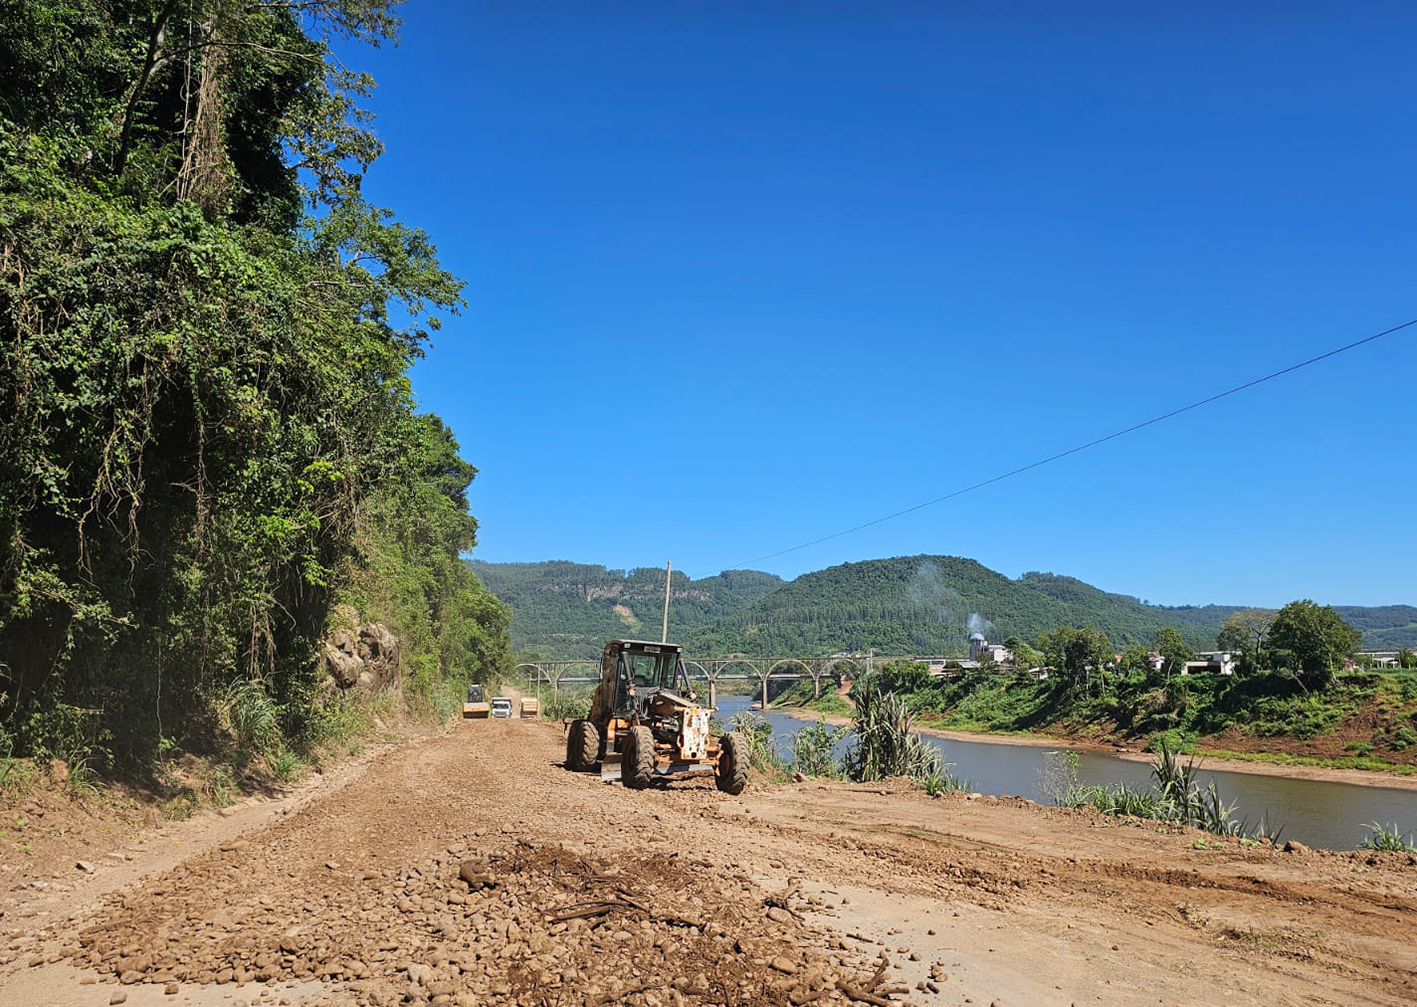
(1318, 813)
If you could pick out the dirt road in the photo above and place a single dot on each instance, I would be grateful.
(471, 868)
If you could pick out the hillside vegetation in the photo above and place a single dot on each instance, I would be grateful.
(906, 605)
(569, 610)
(208, 441)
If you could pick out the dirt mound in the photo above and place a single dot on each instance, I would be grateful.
(468, 924)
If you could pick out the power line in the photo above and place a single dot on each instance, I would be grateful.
(1082, 447)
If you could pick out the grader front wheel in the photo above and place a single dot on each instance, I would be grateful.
(637, 767)
(732, 774)
(582, 746)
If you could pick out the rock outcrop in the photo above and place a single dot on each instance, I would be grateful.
(365, 657)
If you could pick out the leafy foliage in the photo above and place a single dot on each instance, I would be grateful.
(207, 437)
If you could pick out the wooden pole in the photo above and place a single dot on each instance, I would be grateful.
(664, 626)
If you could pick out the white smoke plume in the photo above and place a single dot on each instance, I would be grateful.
(978, 624)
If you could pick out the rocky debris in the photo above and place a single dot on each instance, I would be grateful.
(366, 657)
(1294, 846)
(510, 923)
(58, 770)
(84, 866)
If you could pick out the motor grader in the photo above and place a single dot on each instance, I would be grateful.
(644, 723)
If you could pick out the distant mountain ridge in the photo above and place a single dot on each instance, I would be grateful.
(904, 605)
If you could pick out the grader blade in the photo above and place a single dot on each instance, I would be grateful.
(610, 767)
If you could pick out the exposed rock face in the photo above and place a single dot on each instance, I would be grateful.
(366, 657)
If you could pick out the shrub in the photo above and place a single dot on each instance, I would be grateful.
(814, 750)
(757, 733)
(1387, 838)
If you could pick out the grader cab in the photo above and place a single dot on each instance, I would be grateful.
(645, 723)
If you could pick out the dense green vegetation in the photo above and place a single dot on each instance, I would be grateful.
(1291, 693)
(207, 435)
(569, 610)
(908, 605)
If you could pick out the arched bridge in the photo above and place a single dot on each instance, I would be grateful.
(833, 668)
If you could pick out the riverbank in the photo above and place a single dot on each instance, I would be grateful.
(1212, 759)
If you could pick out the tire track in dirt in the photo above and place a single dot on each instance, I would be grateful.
(472, 868)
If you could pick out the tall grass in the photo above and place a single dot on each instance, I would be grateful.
(565, 704)
(886, 745)
(1175, 796)
(246, 711)
(1387, 838)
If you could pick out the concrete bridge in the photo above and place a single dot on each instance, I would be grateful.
(833, 668)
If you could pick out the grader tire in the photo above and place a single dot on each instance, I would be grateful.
(575, 748)
(732, 774)
(588, 744)
(637, 769)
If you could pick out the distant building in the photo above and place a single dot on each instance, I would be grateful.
(1221, 662)
(981, 651)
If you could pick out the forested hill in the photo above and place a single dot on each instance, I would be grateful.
(930, 604)
(904, 605)
(564, 609)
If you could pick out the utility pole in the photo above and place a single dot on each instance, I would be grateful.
(664, 626)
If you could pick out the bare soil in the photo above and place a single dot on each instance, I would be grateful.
(471, 868)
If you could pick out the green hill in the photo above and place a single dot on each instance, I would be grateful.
(930, 604)
(903, 605)
(565, 609)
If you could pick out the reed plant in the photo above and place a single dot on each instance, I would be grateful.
(886, 744)
(1175, 796)
(1387, 838)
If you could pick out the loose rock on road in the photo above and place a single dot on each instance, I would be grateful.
(471, 868)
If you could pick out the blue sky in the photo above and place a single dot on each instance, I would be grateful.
(811, 263)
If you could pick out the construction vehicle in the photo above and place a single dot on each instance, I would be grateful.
(502, 708)
(476, 707)
(531, 708)
(644, 723)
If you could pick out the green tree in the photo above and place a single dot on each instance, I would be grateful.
(1173, 650)
(1245, 632)
(207, 434)
(1312, 641)
(1079, 655)
(1407, 658)
(1024, 655)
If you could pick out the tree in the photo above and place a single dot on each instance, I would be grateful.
(1024, 656)
(1173, 649)
(1312, 640)
(1079, 655)
(1245, 632)
(1407, 658)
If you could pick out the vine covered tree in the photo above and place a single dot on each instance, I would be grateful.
(205, 334)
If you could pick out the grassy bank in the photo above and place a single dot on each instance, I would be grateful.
(1363, 720)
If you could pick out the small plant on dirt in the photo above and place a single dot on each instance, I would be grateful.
(82, 781)
(942, 781)
(757, 732)
(1387, 838)
(220, 785)
(284, 765)
(813, 750)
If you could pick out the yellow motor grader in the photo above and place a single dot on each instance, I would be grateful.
(644, 723)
